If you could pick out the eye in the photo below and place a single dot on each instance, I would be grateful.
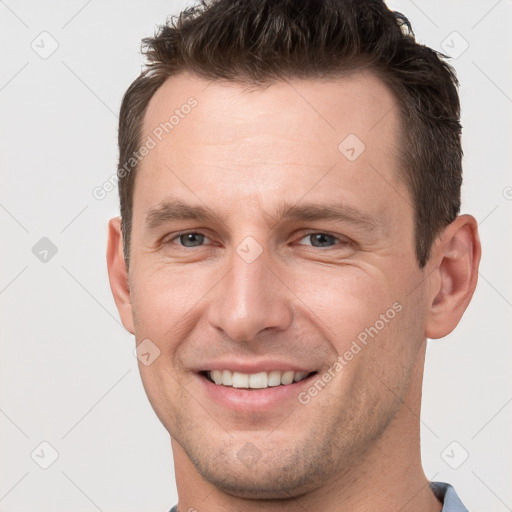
(191, 239)
(323, 240)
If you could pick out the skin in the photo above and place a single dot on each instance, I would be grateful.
(242, 152)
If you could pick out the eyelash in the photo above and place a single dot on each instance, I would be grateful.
(343, 241)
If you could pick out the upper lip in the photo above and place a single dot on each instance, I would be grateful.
(255, 366)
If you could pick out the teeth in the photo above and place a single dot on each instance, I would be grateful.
(259, 380)
(299, 376)
(287, 378)
(227, 378)
(274, 378)
(240, 380)
(216, 376)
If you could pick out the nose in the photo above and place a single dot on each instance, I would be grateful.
(250, 299)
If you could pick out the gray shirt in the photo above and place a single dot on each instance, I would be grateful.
(444, 493)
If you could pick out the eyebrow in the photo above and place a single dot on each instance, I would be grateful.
(326, 211)
(176, 210)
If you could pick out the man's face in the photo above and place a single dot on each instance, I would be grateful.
(275, 282)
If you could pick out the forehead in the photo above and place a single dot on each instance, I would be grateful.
(215, 139)
(359, 102)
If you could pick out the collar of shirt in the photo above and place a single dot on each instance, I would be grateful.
(446, 494)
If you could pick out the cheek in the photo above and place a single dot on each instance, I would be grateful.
(345, 302)
(164, 301)
(374, 324)
(394, 342)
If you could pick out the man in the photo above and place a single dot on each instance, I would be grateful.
(289, 238)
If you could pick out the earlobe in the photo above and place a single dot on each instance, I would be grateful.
(456, 257)
(118, 274)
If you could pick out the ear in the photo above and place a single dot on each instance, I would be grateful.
(118, 275)
(455, 257)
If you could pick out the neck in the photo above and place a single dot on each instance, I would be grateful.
(389, 476)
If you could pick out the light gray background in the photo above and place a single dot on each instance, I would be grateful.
(68, 375)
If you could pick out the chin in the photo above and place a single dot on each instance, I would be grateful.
(264, 484)
(276, 475)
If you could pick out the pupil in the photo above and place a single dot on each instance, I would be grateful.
(191, 239)
(321, 239)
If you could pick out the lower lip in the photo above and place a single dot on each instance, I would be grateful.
(251, 400)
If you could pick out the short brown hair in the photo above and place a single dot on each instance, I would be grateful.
(262, 41)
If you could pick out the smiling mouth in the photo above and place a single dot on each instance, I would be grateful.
(260, 380)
